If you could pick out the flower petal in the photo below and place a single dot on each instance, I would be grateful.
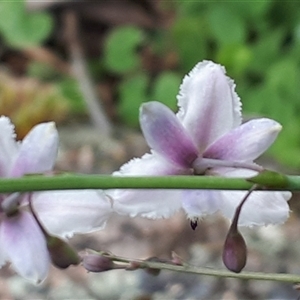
(38, 150)
(199, 203)
(148, 203)
(64, 213)
(154, 204)
(232, 172)
(8, 146)
(261, 208)
(151, 165)
(164, 133)
(25, 246)
(246, 142)
(209, 106)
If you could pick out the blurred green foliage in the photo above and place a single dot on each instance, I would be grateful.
(122, 57)
(257, 41)
(259, 44)
(21, 29)
(120, 49)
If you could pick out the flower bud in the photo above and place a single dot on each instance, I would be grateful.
(62, 254)
(97, 263)
(234, 251)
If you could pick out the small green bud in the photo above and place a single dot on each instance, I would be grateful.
(62, 254)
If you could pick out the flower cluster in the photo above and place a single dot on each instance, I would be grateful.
(205, 138)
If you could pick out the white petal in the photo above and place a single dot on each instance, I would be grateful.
(148, 203)
(232, 172)
(25, 246)
(64, 213)
(261, 208)
(246, 142)
(165, 134)
(152, 204)
(199, 203)
(8, 146)
(209, 106)
(38, 150)
(150, 165)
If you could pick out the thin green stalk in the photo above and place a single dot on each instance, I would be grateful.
(67, 182)
(208, 271)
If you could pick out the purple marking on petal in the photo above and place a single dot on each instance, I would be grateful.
(164, 133)
(246, 142)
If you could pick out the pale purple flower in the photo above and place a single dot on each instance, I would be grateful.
(61, 213)
(204, 138)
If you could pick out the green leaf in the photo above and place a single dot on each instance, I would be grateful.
(166, 88)
(236, 58)
(41, 71)
(120, 51)
(21, 28)
(132, 94)
(70, 89)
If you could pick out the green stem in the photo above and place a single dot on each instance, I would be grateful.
(209, 272)
(67, 182)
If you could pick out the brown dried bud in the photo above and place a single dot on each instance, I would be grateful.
(97, 263)
(62, 254)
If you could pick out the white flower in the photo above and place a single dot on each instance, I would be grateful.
(204, 138)
(62, 213)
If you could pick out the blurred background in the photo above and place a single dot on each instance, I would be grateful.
(88, 65)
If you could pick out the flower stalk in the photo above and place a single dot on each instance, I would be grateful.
(186, 268)
(67, 182)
